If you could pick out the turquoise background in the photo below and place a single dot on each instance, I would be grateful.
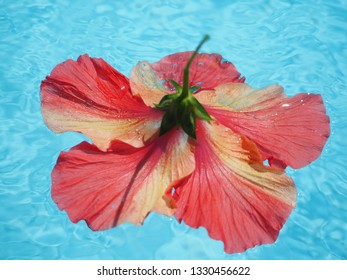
(301, 46)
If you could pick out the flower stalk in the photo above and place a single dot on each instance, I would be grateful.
(182, 108)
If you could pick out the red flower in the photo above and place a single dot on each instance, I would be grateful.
(136, 166)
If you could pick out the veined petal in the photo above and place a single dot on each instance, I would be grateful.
(123, 185)
(146, 84)
(151, 81)
(231, 193)
(287, 130)
(206, 71)
(91, 97)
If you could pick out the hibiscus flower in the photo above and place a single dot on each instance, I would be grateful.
(185, 136)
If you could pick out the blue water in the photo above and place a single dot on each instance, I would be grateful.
(301, 46)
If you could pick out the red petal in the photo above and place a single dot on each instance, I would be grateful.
(122, 185)
(287, 130)
(206, 70)
(91, 97)
(150, 81)
(230, 192)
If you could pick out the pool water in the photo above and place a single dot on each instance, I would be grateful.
(301, 46)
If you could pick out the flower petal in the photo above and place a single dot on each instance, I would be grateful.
(91, 97)
(122, 185)
(287, 130)
(206, 70)
(151, 81)
(146, 84)
(231, 193)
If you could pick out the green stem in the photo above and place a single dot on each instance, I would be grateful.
(185, 90)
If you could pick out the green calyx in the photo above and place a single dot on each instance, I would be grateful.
(182, 108)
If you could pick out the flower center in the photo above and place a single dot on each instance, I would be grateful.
(182, 108)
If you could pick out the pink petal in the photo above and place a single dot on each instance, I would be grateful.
(91, 97)
(122, 185)
(206, 71)
(287, 130)
(230, 192)
(150, 81)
